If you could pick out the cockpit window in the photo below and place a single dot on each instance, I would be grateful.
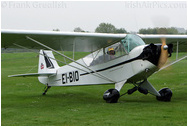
(105, 54)
(94, 58)
(131, 41)
(113, 51)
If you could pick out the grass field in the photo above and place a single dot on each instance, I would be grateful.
(22, 103)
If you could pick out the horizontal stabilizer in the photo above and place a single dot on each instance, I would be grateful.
(32, 75)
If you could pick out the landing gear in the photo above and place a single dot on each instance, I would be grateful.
(111, 96)
(46, 89)
(144, 87)
(165, 93)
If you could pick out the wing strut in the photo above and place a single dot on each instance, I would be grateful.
(59, 61)
(73, 49)
(69, 59)
(171, 64)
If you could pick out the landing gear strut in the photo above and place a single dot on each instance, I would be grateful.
(46, 89)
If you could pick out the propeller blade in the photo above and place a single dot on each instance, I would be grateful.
(164, 53)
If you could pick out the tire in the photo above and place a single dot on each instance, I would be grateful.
(166, 95)
(111, 96)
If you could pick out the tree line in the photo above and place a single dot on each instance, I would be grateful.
(157, 30)
(109, 28)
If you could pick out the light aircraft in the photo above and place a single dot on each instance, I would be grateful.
(114, 59)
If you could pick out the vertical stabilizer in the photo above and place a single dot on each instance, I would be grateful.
(47, 64)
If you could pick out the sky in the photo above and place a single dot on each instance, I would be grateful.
(63, 15)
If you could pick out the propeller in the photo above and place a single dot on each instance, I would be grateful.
(164, 53)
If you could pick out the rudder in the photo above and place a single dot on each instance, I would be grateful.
(47, 64)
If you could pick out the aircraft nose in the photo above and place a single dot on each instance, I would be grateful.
(157, 53)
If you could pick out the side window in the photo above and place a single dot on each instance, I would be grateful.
(114, 51)
(88, 59)
(98, 57)
(94, 58)
(105, 54)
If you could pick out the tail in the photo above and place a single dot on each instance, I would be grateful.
(47, 65)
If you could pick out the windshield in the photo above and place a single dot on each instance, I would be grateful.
(131, 41)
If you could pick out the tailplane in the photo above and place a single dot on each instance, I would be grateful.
(47, 67)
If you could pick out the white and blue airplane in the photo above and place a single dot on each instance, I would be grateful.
(114, 59)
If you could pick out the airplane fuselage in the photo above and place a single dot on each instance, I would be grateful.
(127, 67)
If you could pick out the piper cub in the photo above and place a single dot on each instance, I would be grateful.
(114, 59)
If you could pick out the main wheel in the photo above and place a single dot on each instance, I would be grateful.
(165, 93)
(111, 96)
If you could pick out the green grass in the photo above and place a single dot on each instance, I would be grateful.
(22, 103)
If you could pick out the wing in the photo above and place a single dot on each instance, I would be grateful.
(67, 41)
(169, 38)
(82, 42)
